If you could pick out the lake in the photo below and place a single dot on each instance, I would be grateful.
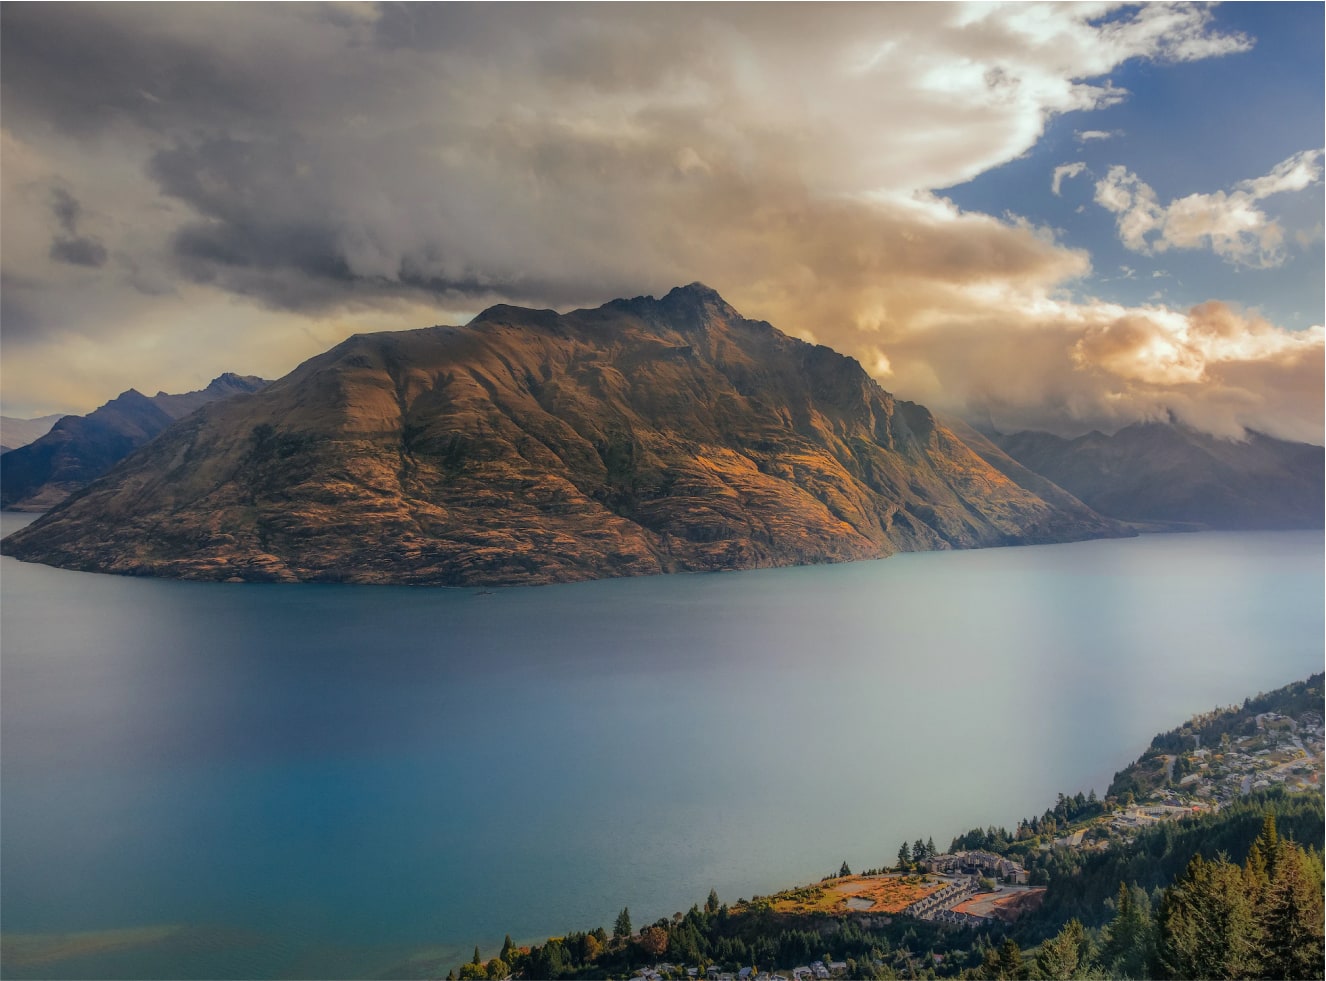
(211, 780)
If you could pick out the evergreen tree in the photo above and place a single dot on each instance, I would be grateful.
(1291, 921)
(477, 958)
(1009, 962)
(1269, 840)
(508, 948)
(904, 857)
(1207, 928)
(1066, 955)
(1129, 946)
(844, 872)
(711, 904)
(930, 848)
(622, 929)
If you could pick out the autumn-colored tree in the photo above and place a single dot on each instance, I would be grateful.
(654, 941)
(593, 947)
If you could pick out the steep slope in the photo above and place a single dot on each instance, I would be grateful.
(644, 436)
(1170, 474)
(15, 432)
(78, 449)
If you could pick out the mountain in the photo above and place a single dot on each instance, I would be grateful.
(642, 437)
(20, 432)
(1170, 474)
(79, 449)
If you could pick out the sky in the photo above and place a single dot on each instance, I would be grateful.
(1058, 216)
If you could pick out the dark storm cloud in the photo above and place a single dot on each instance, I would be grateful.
(79, 252)
(66, 209)
(86, 68)
(68, 246)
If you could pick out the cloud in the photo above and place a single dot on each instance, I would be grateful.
(1065, 170)
(1087, 135)
(79, 252)
(68, 246)
(1104, 365)
(1229, 223)
(262, 180)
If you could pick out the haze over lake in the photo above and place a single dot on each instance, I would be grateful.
(314, 780)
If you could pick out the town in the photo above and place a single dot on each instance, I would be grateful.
(1215, 759)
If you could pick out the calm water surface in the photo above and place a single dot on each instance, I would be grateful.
(307, 781)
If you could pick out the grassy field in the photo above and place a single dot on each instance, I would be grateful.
(885, 894)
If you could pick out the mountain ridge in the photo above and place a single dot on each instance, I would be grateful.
(78, 449)
(1173, 476)
(642, 436)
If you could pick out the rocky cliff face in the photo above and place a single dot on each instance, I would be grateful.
(1173, 476)
(79, 449)
(645, 436)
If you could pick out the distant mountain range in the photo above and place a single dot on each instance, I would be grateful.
(644, 436)
(1173, 476)
(16, 432)
(78, 449)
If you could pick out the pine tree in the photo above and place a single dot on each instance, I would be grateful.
(1207, 926)
(711, 904)
(1010, 962)
(1291, 921)
(1130, 938)
(508, 948)
(1066, 955)
(477, 958)
(622, 929)
(904, 857)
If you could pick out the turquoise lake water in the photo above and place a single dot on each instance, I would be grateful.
(204, 780)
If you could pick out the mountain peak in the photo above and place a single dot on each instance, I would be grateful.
(644, 436)
(698, 297)
(696, 290)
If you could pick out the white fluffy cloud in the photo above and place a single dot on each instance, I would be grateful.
(1229, 223)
